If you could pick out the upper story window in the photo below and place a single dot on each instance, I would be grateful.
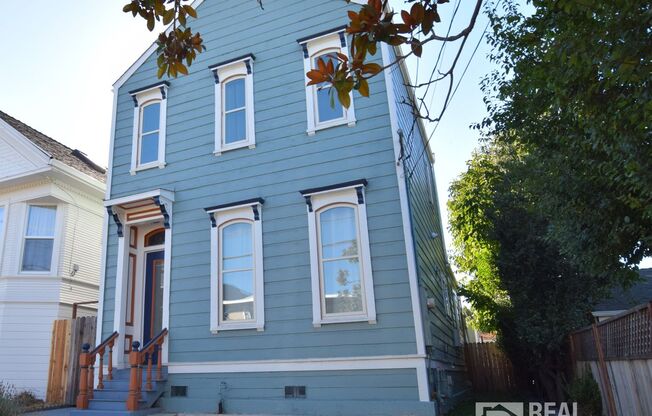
(340, 259)
(237, 296)
(38, 243)
(234, 104)
(148, 147)
(323, 108)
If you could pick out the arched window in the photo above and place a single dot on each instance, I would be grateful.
(155, 238)
(236, 271)
(148, 141)
(339, 261)
(327, 105)
(234, 111)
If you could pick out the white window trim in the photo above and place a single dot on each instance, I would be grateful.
(332, 42)
(224, 72)
(317, 200)
(56, 240)
(219, 217)
(3, 230)
(142, 97)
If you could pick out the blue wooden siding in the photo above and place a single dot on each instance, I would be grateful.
(377, 392)
(284, 161)
(436, 279)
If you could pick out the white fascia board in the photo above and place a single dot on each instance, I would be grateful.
(169, 195)
(134, 67)
(23, 145)
(68, 172)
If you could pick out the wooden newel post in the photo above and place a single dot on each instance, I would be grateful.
(134, 379)
(84, 363)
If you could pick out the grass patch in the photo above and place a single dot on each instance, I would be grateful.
(13, 403)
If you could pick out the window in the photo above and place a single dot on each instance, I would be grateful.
(323, 108)
(342, 282)
(39, 238)
(148, 148)
(237, 299)
(234, 104)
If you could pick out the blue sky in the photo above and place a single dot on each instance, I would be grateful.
(58, 77)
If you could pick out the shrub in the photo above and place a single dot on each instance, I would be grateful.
(8, 406)
(585, 391)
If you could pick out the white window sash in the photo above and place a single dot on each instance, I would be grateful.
(224, 217)
(316, 47)
(144, 98)
(55, 249)
(342, 197)
(225, 74)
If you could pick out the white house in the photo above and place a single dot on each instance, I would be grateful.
(51, 218)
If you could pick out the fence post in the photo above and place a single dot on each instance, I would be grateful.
(134, 379)
(604, 371)
(84, 361)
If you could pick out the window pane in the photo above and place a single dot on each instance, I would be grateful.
(235, 127)
(37, 255)
(40, 222)
(149, 148)
(342, 288)
(326, 111)
(236, 240)
(151, 115)
(238, 297)
(234, 94)
(155, 239)
(338, 233)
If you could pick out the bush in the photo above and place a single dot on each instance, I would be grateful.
(8, 406)
(585, 391)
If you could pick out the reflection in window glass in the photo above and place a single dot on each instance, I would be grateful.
(327, 108)
(237, 272)
(235, 124)
(39, 238)
(149, 134)
(340, 261)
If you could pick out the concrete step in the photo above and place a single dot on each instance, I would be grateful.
(90, 412)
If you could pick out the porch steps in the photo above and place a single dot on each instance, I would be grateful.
(112, 400)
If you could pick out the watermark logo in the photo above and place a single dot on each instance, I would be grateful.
(518, 409)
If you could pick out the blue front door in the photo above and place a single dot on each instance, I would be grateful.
(153, 311)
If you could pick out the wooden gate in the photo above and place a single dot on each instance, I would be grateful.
(489, 368)
(68, 336)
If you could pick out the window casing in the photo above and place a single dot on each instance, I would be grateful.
(148, 141)
(237, 296)
(321, 114)
(340, 260)
(234, 105)
(39, 238)
(3, 222)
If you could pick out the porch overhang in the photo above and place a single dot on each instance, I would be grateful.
(140, 208)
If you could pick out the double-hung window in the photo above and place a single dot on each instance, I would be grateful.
(237, 299)
(38, 242)
(323, 107)
(342, 283)
(234, 104)
(150, 110)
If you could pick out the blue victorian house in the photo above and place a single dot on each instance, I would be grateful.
(272, 253)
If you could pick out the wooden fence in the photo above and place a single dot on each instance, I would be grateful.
(489, 368)
(618, 352)
(68, 336)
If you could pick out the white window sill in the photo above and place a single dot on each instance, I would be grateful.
(147, 166)
(238, 326)
(343, 320)
(35, 273)
(330, 124)
(237, 145)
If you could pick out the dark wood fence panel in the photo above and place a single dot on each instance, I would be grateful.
(489, 368)
(68, 336)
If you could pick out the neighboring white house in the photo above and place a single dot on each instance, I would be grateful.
(51, 218)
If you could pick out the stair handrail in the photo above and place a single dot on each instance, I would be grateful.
(138, 358)
(87, 369)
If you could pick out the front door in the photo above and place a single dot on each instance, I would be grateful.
(153, 311)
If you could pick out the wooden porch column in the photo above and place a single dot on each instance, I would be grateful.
(134, 379)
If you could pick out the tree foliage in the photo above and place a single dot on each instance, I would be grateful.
(575, 90)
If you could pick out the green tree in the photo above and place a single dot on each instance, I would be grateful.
(574, 89)
(521, 285)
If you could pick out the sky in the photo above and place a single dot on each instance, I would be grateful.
(57, 77)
